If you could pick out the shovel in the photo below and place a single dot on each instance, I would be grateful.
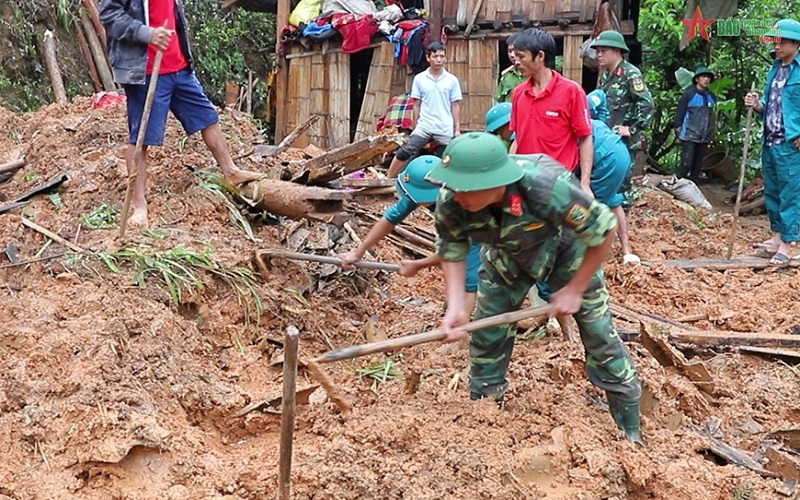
(429, 336)
(363, 264)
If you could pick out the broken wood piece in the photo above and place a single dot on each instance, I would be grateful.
(691, 318)
(295, 200)
(785, 466)
(737, 457)
(333, 392)
(53, 71)
(98, 53)
(414, 238)
(349, 158)
(290, 342)
(475, 11)
(789, 437)
(366, 183)
(375, 191)
(271, 405)
(353, 235)
(53, 236)
(313, 151)
(784, 354)
(644, 317)
(31, 261)
(12, 166)
(667, 355)
(742, 262)
(295, 134)
(757, 203)
(736, 339)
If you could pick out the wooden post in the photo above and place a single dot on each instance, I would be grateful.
(51, 62)
(282, 78)
(87, 54)
(98, 53)
(287, 411)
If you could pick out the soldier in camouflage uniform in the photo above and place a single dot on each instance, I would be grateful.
(536, 224)
(629, 100)
(510, 77)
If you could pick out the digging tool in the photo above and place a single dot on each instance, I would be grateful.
(735, 223)
(429, 336)
(288, 411)
(137, 152)
(364, 264)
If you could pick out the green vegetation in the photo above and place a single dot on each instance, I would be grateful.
(381, 372)
(737, 60)
(101, 217)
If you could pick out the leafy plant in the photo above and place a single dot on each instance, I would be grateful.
(177, 269)
(225, 191)
(101, 217)
(381, 372)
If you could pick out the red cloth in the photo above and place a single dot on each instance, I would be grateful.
(552, 122)
(174, 58)
(356, 32)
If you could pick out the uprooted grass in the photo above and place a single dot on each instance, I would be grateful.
(179, 270)
(227, 194)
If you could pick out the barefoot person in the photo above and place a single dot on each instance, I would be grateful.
(537, 224)
(780, 157)
(135, 31)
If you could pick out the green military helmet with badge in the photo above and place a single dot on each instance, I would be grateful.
(702, 70)
(611, 38)
(412, 183)
(474, 162)
(788, 29)
(498, 116)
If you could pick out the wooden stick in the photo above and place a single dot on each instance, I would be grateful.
(362, 183)
(137, 152)
(735, 223)
(31, 261)
(87, 55)
(94, 15)
(98, 53)
(288, 411)
(297, 132)
(333, 393)
(474, 18)
(12, 165)
(51, 63)
(53, 236)
(430, 336)
(249, 107)
(364, 264)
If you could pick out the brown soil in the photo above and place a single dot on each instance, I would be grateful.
(110, 390)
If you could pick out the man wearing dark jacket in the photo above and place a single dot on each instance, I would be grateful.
(136, 31)
(694, 123)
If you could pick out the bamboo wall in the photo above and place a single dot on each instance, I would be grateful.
(475, 63)
(386, 80)
(461, 11)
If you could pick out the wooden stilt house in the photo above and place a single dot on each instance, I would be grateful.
(350, 92)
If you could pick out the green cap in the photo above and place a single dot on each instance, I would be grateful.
(702, 70)
(411, 182)
(611, 38)
(474, 162)
(497, 116)
(788, 29)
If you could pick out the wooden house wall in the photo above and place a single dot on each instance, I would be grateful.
(386, 79)
(460, 12)
(475, 63)
(319, 84)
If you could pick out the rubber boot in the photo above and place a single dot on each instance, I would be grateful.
(626, 415)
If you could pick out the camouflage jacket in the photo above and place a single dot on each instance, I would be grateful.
(509, 79)
(629, 101)
(542, 214)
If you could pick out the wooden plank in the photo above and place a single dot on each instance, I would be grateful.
(349, 158)
(347, 182)
(746, 262)
(549, 10)
(319, 98)
(339, 104)
(668, 355)
(301, 110)
(489, 11)
(536, 10)
(573, 63)
(783, 354)
(627, 26)
(484, 58)
(735, 338)
(282, 78)
(462, 12)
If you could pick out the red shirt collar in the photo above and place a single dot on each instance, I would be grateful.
(547, 90)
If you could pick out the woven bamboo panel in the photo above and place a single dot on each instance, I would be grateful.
(298, 101)
(379, 89)
(319, 73)
(339, 105)
(460, 11)
(475, 63)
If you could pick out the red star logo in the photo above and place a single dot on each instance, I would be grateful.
(697, 23)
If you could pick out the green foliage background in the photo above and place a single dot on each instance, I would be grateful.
(739, 60)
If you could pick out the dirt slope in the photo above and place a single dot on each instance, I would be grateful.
(111, 390)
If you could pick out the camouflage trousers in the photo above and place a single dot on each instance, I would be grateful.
(608, 363)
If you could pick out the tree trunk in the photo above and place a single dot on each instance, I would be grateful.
(297, 201)
(51, 62)
(98, 54)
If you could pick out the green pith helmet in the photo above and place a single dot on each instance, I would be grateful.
(788, 29)
(497, 116)
(411, 181)
(702, 70)
(611, 38)
(474, 162)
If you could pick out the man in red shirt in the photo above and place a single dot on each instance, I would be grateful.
(136, 30)
(549, 113)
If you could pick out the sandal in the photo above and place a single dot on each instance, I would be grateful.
(779, 260)
(763, 253)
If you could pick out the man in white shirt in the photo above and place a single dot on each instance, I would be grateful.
(437, 108)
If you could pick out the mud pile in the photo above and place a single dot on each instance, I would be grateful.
(113, 389)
